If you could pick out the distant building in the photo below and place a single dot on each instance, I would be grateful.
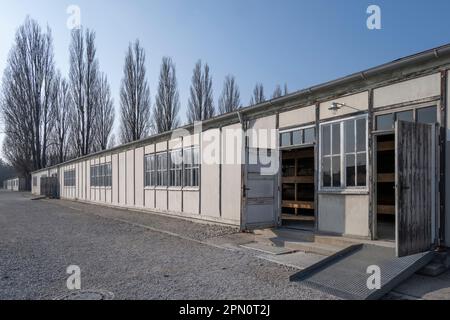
(15, 184)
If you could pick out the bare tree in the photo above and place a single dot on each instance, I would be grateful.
(277, 92)
(167, 102)
(26, 95)
(230, 98)
(258, 94)
(83, 76)
(134, 96)
(104, 116)
(60, 143)
(200, 105)
(112, 141)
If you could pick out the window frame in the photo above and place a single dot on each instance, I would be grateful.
(101, 175)
(191, 167)
(151, 158)
(161, 173)
(291, 131)
(343, 169)
(69, 178)
(175, 169)
(411, 107)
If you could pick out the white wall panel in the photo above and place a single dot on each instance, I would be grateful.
(122, 178)
(297, 117)
(191, 202)
(410, 90)
(161, 199)
(115, 178)
(359, 101)
(130, 177)
(139, 176)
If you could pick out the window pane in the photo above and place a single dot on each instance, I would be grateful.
(308, 135)
(196, 156)
(336, 138)
(326, 172)
(361, 135)
(427, 115)
(349, 127)
(361, 169)
(297, 137)
(405, 116)
(326, 140)
(336, 171)
(385, 122)
(350, 170)
(285, 139)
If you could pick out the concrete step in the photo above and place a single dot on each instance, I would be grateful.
(308, 246)
(335, 240)
(284, 233)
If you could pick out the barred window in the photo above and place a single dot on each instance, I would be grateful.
(161, 169)
(150, 170)
(108, 174)
(191, 166)
(69, 178)
(101, 175)
(175, 167)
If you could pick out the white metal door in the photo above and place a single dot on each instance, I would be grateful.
(260, 189)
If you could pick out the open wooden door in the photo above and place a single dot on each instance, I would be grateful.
(414, 188)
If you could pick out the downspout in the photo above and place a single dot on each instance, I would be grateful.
(243, 173)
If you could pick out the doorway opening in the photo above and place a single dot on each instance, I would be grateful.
(385, 187)
(298, 188)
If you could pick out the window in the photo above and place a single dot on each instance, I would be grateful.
(427, 115)
(175, 168)
(331, 155)
(344, 153)
(34, 181)
(385, 122)
(297, 137)
(355, 152)
(108, 174)
(191, 166)
(101, 175)
(69, 178)
(285, 139)
(150, 170)
(421, 115)
(405, 116)
(161, 169)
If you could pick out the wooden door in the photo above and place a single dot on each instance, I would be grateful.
(414, 177)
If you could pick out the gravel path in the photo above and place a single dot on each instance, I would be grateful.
(39, 239)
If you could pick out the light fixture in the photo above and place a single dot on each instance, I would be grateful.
(336, 106)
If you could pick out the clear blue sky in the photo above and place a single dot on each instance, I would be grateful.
(298, 42)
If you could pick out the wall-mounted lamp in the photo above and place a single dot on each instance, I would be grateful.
(336, 106)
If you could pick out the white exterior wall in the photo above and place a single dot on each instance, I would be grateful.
(406, 91)
(15, 184)
(231, 178)
(344, 214)
(211, 173)
(359, 101)
(297, 117)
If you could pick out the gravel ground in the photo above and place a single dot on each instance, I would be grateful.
(39, 239)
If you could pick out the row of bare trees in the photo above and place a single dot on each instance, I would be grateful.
(49, 118)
